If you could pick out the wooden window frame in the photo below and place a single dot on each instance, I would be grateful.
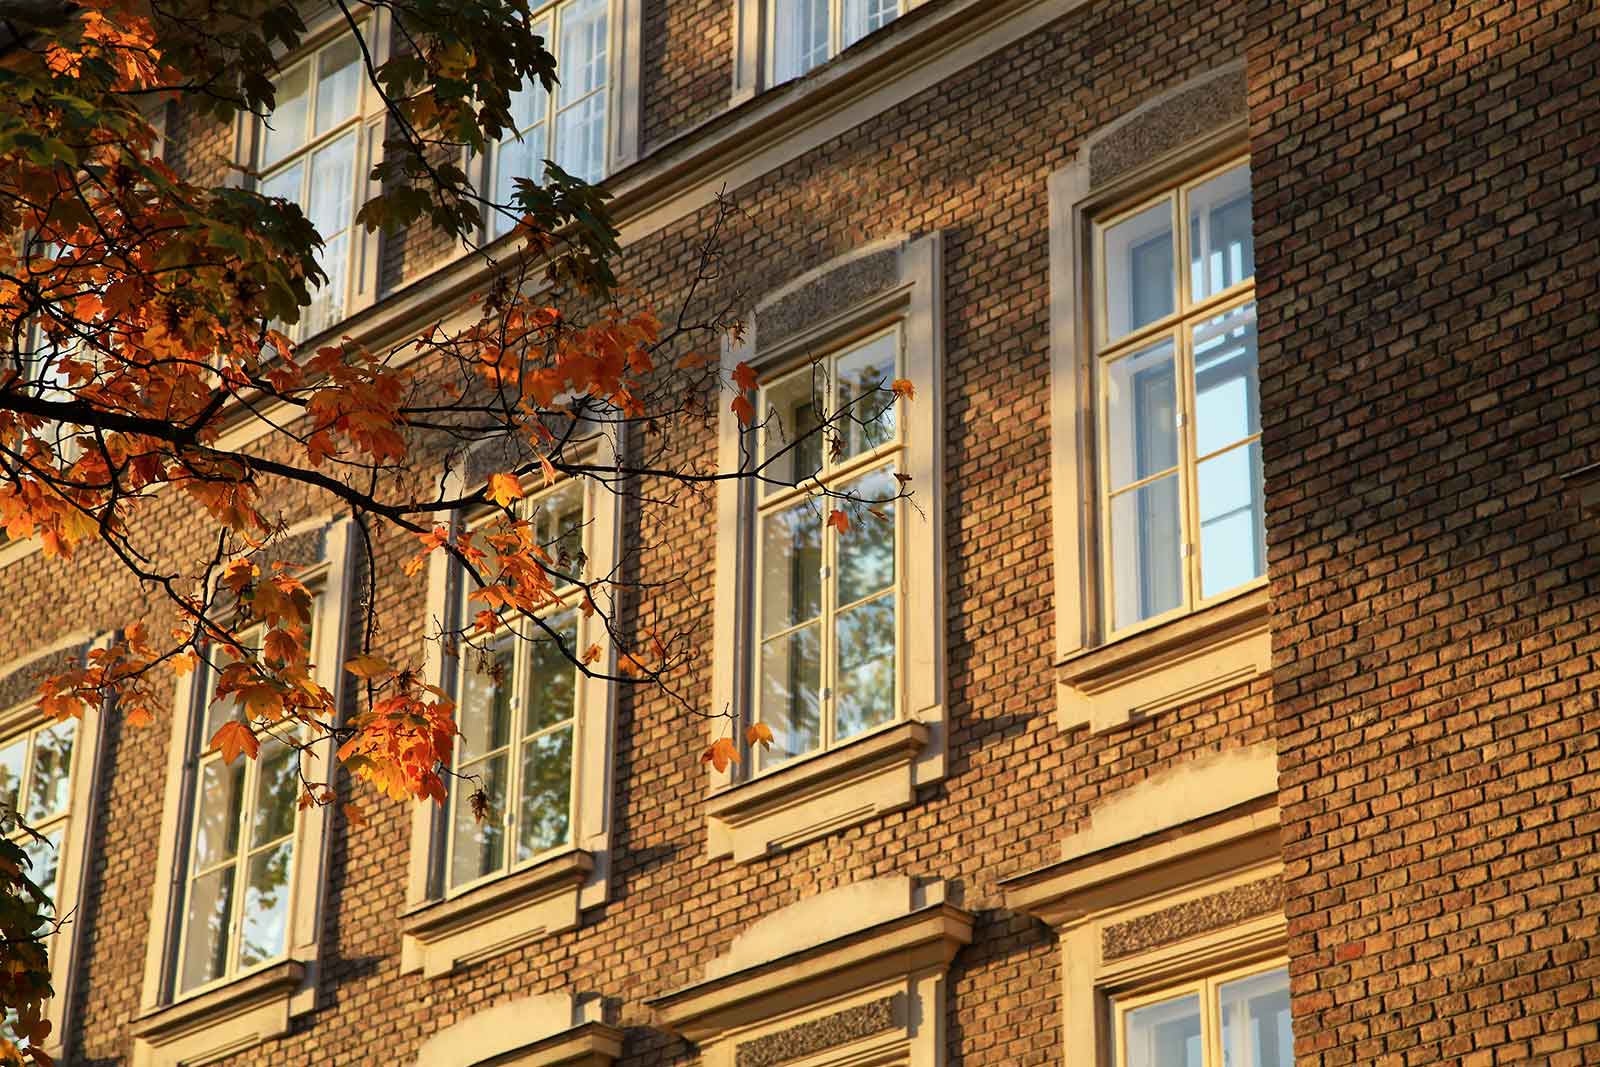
(755, 44)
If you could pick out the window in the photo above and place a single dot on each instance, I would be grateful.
(1181, 499)
(309, 151)
(827, 603)
(241, 849)
(36, 783)
(569, 126)
(834, 641)
(519, 714)
(808, 33)
(1237, 1020)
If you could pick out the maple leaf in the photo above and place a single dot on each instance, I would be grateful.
(759, 734)
(503, 489)
(234, 737)
(903, 387)
(744, 376)
(721, 754)
(353, 813)
(591, 654)
(743, 410)
(839, 521)
(479, 802)
(365, 666)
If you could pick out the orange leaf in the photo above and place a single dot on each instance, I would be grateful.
(367, 666)
(234, 737)
(721, 753)
(693, 361)
(759, 734)
(839, 521)
(548, 470)
(485, 622)
(743, 409)
(745, 377)
(903, 387)
(503, 489)
(353, 813)
(591, 654)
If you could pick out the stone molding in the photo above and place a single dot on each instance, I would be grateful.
(545, 1030)
(809, 1038)
(1169, 122)
(1191, 917)
(202, 1029)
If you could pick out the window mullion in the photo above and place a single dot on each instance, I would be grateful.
(830, 552)
(241, 871)
(1189, 467)
(521, 666)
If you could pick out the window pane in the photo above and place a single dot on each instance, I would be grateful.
(1255, 1021)
(1145, 540)
(545, 813)
(1142, 415)
(479, 847)
(338, 83)
(286, 183)
(221, 795)
(791, 567)
(866, 652)
(1227, 388)
(266, 905)
(863, 397)
(581, 53)
(517, 159)
(791, 445)
(285, 129)
(581, 138)
(531, 104)
(1139, 278)
(551, 674)
(205, 950)
(1165, 1034)
(484, 715)
(861, 17)
(51, 786)
(277, 790)
(43, 860)
(327, 302)
(333, 170)
(800, 37)
(558, 518)
(866, 553)
(791, 672)
(12, 759)
(1221, 250)
(1232, 529)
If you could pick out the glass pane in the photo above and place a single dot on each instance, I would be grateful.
(791, 677)
(545, 814)
(866, 553)
(1145, 538)
(277, 790)
(266, 905)
(1233, 546)
(791, 567)
(285, 129)
(791, 445)
(1165, 1034)
(479, 846)
(333, 183)
(12, 759)
(531, 104)
(559, 524)
(338, 84)
(1255, 1021)
(220, 797)
(865, 651)
(861, 17)
(581, 52)
(1227, 388)
(327, 302)
(51, 785)
(205, 947)
(799, 36)
(1221, 250)
(484, 715)
(581, 138)
(863, 397)
(551, 675)
(43, 860)
(517, 159)
(1139, 278)
(1142, 414)
(286, 183)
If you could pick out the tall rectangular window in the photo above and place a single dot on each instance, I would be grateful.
(568, 126)
(1178, 408)
(306, 152)
(808, 33)
(36, 783)
(240, 862)
(1239, 1020)
(518, 713)
(828, 614)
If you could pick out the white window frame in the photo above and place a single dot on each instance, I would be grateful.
(1207, 988)
(752, 810)
(755, 44)
(443, 926)
(73, 860)
(361, 272)
(252, 1005)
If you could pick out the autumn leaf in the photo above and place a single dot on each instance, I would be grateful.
(234, 737)
(903, 388)
(721, 754)
(503, 489)
(743, 410)
(479, 802)
(367, 666)
(744, 376)
(591, 654)
(353, 813)
(839, 521)
(759, 734)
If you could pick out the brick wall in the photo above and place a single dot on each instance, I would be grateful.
(1427, 242)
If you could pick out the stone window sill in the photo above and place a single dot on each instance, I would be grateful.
(226, 1020)
(1158, 669)
(846, 786)
(441, 935)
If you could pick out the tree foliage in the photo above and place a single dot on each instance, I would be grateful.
(144, 317)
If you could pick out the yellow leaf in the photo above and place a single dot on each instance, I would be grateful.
(759, 734)
(365, 666)
(503, 489)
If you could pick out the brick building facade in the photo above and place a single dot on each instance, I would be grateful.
(1134, 806)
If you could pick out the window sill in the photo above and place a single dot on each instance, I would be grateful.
(441, 935)
(240, 1015)
(1584, 483)
(867, 777)
(1158, 669)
